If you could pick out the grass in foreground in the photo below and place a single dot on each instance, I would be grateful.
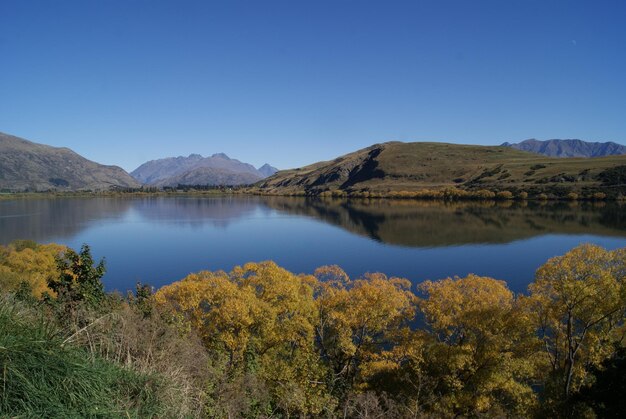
(42, 377)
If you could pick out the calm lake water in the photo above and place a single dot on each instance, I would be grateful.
(158, 240)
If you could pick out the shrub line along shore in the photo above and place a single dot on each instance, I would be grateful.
(444, 194)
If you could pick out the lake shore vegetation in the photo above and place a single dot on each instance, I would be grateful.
(449, 194)
(260, 341)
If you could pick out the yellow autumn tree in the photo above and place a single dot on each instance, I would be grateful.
(359, 322)
(263, 317)
(31, 263)
(478, 352)
(577, 304)
(283, 344)
(214, 306)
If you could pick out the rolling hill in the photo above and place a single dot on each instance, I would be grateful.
(28, 166)
(397, 166)
(569, 148)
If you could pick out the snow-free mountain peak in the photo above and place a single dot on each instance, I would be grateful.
(267, 170)
(218, 169)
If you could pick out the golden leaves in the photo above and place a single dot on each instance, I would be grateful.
(34, 265)
(481, 345)
(478, 349)
(473, 301)
(578, 302)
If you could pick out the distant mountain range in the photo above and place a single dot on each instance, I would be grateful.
(28, 166)
(569, 148)
(218, 169)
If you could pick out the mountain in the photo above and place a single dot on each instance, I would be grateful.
(267, 170)
(569, 148)
(203, 175)
(396, 166)
(219, 169)
(28, 166)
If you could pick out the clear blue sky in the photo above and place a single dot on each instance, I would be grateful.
(294, 82)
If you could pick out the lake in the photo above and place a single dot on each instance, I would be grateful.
(158, 240)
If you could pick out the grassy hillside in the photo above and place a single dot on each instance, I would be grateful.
(397, 166)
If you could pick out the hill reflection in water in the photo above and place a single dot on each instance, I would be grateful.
(434, 223)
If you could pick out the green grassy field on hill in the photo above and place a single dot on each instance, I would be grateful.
(411, 167)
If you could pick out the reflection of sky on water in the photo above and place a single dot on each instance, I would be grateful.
(161, 240)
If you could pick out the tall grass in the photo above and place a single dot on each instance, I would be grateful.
(42, 377)
(149, 345)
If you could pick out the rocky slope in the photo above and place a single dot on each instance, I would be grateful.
(28, 166)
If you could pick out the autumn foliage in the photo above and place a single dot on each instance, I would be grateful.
(29, 265)
(279, 344)
(459, 346)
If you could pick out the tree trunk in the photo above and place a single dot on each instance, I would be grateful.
(569, 363)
